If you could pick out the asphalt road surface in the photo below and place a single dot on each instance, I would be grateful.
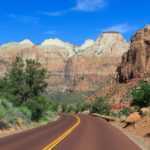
(91, 134)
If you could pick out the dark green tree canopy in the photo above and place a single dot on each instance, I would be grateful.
(24, 80)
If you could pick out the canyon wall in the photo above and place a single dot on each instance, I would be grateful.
(70, 67)
(136, 62)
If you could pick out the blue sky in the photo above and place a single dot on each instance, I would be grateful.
(70, 20)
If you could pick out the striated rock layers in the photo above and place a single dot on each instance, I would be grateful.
(70, 67)
(136, 62)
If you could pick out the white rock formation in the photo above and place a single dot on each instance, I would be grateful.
(9, 44)
(108, 43)
(111, 43)
(26, 42)
(87, 44)
(59, 43)
(56, 42)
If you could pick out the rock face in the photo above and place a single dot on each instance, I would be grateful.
(96, 64)
(132, 118)
(145, 111)
(70, 67)
(136, 62)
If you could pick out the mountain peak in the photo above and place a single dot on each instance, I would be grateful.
(26, 41)
(54, 42)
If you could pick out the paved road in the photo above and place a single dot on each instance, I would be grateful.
(92, 134)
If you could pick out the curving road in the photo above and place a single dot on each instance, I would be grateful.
(91, 134)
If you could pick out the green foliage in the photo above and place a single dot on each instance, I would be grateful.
(52, 106)
(35, 77)
(141, 96)
(123, 118)
(64, 108)
(69, 97)
(23, 86)
(100, 106)
(9, 114)
(2, 113)
(125, 111)
(26, 112)
(71, 108)
(114, 114)
(82, 106)
(75, 108)
(37, 109)
(24, 81)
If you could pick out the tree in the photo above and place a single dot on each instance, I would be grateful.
(16, 82)
(141, 96)
(35, 77)
(25, 80)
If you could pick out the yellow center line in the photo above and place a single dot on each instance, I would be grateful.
(63, 136)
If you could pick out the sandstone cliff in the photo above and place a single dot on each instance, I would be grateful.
(136, 62)
(70, 67)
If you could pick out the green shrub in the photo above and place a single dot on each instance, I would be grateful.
(100, 106)
(123, 118)
(44, 119)
(52, 106)
(2, 113)
(141, 96)
(82, 106)
(26, 112)
(114, 114)
(35, 108)
(125, 111)
(64, 108)
(9, 114)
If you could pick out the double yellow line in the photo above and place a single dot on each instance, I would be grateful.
(63, 136)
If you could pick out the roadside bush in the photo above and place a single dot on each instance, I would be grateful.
(82, 106)
(141, 96)
(9, 114)
(64, 108)
(100, 106)
(36, 109)
(2, 113)
(114, 114)
(67, 108)
(123, 118)
(52, 106)
(125, 112)
(26, 112)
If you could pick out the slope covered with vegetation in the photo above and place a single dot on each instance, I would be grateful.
(22, 94)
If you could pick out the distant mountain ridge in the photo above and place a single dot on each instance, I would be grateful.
(71, 67)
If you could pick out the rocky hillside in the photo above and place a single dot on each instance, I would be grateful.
(135, 66)
(136, 62)
(70, 67)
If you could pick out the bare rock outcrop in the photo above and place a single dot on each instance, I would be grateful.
(132, 118)
(136, 62)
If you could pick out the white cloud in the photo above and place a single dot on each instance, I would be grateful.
(81, 5)
(121, 28)
(22, 18)
(90, 5)
(54, 14)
